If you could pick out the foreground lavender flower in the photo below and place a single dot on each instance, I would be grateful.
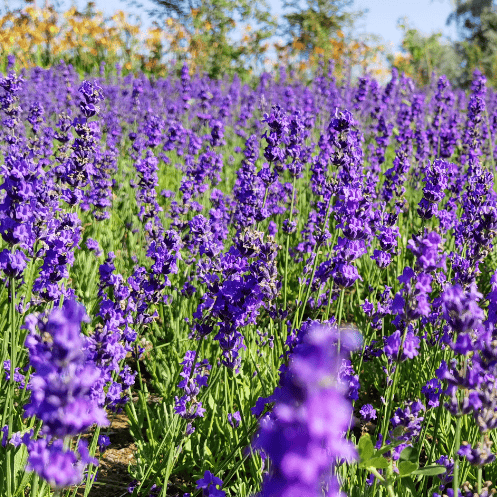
(59, 466)
(303, 436)
(60, 393)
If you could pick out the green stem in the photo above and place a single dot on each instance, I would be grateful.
(12, 385)
(143, 401)
(457, 444)
(480, 474)
(391, 392)
(339, 320)
(295, 320)
(328, 305)
(246, 429)
(309, 289)
(490, 143)
(263, 205)
(287, 248)
(34, 484)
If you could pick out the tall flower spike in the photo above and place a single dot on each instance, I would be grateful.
(303, 436)
(60, 393)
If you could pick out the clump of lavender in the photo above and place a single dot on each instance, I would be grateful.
(74, 171)
(248, 284)
(436, 181)
(304, 435)
(187, 406)
(60, 387)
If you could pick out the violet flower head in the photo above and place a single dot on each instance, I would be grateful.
(234, 419)
(187, 406)
(92, 95)
(60, 467)
(61, 393)
(461, 309)
(427, 251)
(479, 455)
(63, 377)
(368, 412)
(209, 484)
(304, 434)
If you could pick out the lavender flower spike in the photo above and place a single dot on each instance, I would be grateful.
(61, 393)
(304, 434)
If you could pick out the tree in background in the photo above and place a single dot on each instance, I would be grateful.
(476, 22)
(312, 27)
(206, 32)
(426, 54)
(323, 30)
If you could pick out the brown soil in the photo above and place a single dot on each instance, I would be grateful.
(113, 477)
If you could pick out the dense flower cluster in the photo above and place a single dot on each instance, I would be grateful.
(61, 393)
(222, 235)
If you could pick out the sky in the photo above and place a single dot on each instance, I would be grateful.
(427, 16)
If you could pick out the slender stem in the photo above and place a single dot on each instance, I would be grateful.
(34, 484)
(490, 142)
(376, 473)
(287, 247)
(328, 305)
(393, 385)
(309, 288)
(295, 320)
(339, 320)
(438, 133)
(480, 472)
(12, 385)
(263, 205)
(457, 444)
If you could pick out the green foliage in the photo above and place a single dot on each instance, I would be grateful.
(212, 28)
(427, 54)
(476, 21)
(314, 25)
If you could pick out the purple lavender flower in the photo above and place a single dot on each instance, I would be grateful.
(304, 433)
(477, 456)
(368, 412)
(187, 406)
(209, 484)
(60, 393)
(63, 377)
(432, 391)
(234, 419)
(59, 466)
(93, 246)
(103, 443)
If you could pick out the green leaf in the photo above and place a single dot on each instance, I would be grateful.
(207, 451)
(397, 432)
(377, 462)
(365, 447)
(388, 447)
(407, 467)
(430, 470)
(22, 477)
(407, 482)
(409, 454)
(211, 402)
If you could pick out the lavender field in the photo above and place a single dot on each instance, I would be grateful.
(287, 289)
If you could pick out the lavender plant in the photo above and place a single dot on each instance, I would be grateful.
(187, 255)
